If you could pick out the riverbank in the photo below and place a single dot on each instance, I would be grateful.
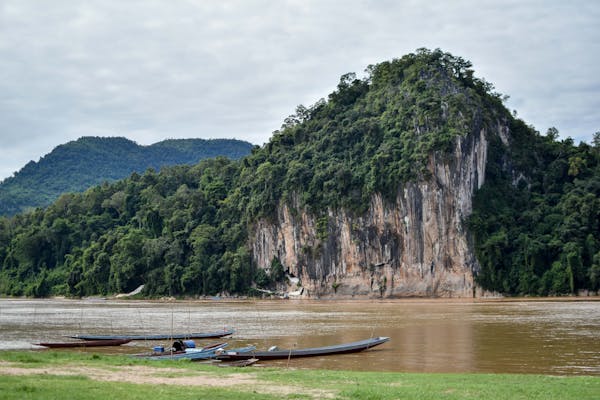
(59, 375)
(267, 299)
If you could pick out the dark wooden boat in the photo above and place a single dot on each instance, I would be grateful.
(87, 343)
(353, 347)
(202, 335)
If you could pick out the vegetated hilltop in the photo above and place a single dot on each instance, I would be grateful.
(88, 161)
(412, 181)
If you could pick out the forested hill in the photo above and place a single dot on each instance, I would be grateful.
(536, 221)
(89, 161)
(185, 230)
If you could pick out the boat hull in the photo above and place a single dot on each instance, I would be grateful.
(87, 343)
(202, 335)
(353, 347)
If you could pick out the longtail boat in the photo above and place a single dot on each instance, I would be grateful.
(201, 335)
(88, 343)
(353, 347)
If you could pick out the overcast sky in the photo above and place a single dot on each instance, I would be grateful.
(150, 70)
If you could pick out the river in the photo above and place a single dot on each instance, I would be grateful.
(486, 336)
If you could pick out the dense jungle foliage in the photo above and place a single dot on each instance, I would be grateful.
(372, 134)
(536, 221)
(175, 231)
(184, 230)
(89, 161)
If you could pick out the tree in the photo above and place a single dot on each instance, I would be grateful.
(276, 272)
(552, 133)
(575, 165)
(596, 140)
(594, 273)
(125, 263)
(154, 222)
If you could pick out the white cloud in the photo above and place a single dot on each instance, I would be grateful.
(150, 70)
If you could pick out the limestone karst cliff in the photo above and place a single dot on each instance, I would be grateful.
(428, 118)
(415, 246)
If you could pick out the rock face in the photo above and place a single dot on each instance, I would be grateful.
(415, 247)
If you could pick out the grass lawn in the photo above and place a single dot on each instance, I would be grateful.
(68, 375)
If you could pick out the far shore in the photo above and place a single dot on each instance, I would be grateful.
(204, 299)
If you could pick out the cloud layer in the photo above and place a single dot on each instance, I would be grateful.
(151, 70)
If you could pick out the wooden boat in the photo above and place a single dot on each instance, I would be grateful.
(88, 343)
(202, 335)
(353, 347)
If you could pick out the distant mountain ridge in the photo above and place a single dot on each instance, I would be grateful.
(88, 161)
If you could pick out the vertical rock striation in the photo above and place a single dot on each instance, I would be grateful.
(415, 247)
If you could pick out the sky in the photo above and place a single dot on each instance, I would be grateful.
(150, 70)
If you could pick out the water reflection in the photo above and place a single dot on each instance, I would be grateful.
(548, 337)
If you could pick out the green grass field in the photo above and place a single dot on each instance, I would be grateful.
(68, 375)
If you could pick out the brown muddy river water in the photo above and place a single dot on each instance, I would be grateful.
(542, 337)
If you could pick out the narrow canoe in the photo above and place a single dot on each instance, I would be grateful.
(353, 347)
(89, 343)
(202, 335)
